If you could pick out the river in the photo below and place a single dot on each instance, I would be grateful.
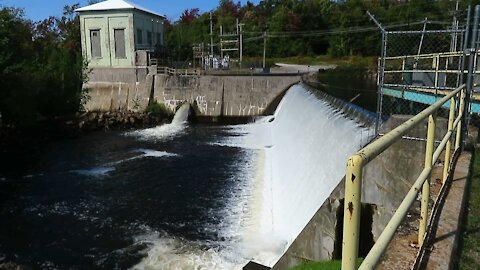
(178, 196)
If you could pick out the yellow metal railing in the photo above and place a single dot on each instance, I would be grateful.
(440, 65)
(353, 179)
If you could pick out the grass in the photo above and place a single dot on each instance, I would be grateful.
(323, 265)
(470, 238)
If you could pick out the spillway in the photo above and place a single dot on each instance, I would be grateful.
(303, 149)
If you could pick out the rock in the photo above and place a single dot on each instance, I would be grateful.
(13, 266)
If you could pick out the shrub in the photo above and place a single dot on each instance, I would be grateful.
(158, 109)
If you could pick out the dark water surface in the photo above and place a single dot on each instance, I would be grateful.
(79, 204)
(355, 87)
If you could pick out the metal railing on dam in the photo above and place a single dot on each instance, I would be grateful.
(356, 163)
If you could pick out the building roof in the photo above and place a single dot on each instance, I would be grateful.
(114, 5)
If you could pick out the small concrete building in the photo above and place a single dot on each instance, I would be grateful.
(118, 33)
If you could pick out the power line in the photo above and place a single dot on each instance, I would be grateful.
(336, 31)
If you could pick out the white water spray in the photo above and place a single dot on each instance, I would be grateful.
(166, 131)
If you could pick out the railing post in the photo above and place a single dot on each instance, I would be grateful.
(448, 147)
(437, 67)
(351, 218)
(461, 111)
(432, 119)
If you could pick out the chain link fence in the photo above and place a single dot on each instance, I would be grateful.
(417, 68)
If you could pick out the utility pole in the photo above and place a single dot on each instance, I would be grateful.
(230, 41)
(221, 41)
(264, 47)
(453, 44)
(241, 43)
(211, 35)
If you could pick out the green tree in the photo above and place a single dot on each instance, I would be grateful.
(41, 66)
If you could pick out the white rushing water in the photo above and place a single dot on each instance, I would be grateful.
(166, 131)
(104, 169)
(305, 147)
(296, 158)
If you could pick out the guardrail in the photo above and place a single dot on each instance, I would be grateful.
(444, 67)
(178, 72)
(356, 163)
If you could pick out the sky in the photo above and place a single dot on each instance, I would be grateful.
(41, 9)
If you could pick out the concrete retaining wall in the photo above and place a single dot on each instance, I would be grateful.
(113, 89)
(222, 95)
(131, 89)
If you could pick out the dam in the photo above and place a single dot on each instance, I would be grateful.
(161, 198)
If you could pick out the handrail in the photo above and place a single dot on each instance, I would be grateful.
(353, 180)
(178, 72)
(426, 55)
(439, 65)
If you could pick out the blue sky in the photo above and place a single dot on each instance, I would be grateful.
(41, 9)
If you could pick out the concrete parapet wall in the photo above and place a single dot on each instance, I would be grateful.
(222, 95)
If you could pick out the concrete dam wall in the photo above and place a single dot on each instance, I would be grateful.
(222, 95)
(210, 95)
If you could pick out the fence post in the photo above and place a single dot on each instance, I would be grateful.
(381, 73)
(426, 185)
(437, 67)
(471, 72)
(351, 218)
(461, 111)
(448, 148)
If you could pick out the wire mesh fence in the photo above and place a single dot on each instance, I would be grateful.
(417, 68)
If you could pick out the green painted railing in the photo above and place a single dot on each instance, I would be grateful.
(353, 179)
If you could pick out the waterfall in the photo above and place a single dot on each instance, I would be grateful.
(166, 131)
(304, 148)
(182, 114)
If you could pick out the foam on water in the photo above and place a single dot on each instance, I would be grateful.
(154, 153)
(109, 167)
(177, 254)
(173, 253)
(95, 172)
(163, 132)
(166, 131)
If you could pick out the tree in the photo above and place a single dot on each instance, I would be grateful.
(300, 27)
(41, 67)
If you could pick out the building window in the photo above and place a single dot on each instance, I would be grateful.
(139, 36)
(96, 48)
(119, 35)
(159, 39)
(149, 38)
